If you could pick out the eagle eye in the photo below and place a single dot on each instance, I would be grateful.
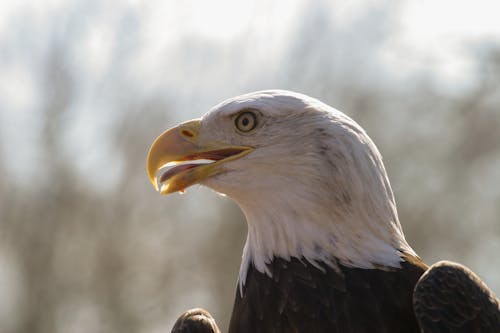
(246, 121)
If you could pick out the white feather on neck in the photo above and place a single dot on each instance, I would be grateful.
(288, 227)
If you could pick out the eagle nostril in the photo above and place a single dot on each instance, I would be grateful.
(187, 133)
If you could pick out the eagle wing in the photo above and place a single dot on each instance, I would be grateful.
(449, 297)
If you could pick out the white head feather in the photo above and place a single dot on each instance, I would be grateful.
(314, 187)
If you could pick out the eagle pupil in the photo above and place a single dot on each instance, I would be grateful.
(245, 121)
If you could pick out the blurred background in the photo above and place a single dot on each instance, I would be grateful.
(87, 245)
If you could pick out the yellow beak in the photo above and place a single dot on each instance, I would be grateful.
(190, 160)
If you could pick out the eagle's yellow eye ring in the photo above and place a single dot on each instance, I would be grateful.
(246, 121)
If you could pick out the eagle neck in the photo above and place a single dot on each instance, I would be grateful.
(287, 226)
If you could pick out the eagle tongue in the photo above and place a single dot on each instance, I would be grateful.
(173, 170)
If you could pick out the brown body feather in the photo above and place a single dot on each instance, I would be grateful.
(447, 298)
(302, 298)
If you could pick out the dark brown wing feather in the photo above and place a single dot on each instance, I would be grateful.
(302, 298)
(195, 321)
(449, 297)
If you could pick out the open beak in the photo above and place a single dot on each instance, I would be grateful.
(177, 159)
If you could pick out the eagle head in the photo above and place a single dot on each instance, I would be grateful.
(309, 180)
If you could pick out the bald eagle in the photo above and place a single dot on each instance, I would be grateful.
(325, 251)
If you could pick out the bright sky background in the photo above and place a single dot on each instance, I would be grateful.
(433, 38)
